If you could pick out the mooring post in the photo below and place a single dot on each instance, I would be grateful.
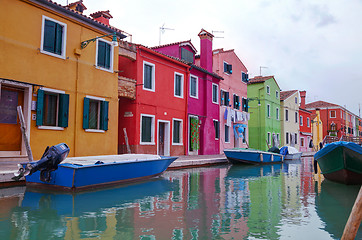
(354, 220)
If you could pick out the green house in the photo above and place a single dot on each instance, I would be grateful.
(264, 108)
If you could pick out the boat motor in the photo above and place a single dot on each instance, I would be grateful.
(49, 162)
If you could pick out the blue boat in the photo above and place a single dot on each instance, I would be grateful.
(252, 156)
(79, 173)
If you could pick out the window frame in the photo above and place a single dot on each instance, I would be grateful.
(302, 141)
(180, 131)
(217, 134)
(286, 137)
(228, 71)
(152, 129)
(308, 122)
(286, 115)
(64, 38)
(98, 130)
(330, 114)
(296, 138)
(153, 75)
(226, 101)
(197, 86)
(217, 93)
(111, 55)
(296, 117)
(268, 89)
(181, 85)
(227, 134)
(277, 113)
(277, 94)
(269, 138)
(268, 110)
(300, 120)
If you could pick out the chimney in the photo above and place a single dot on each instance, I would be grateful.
(77, 6)
(102, 16)
(206, 50)
(302, 98)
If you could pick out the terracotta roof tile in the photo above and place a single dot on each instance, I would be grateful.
(176, 43)
(259, 79)
(320, 104)
(285, 94)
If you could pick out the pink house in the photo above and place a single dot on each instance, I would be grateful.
(233, 119)
(202, 95)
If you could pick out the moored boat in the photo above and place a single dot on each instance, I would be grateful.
(341, 162)
(290, 153)
(252, 156)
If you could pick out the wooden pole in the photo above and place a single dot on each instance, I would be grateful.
(23, 131)
(354, 220)
(126, 139)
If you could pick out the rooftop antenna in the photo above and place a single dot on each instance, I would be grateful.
(261, 68)
(217, 32)
(162, 31)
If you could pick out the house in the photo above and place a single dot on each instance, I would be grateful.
(153, 114)
(289, 102)
(305, 127)
(232, 100)
(61, 74)
(317, 129)
(202, 94)
(264, 109)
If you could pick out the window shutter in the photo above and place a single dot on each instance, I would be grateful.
(225, 67)
(101, 54)
(227, 99)
(63, 110)
(246, 105)
(104, 115)
(86, 113)
(230, 68)
(39, 108)
(58, 39)
(243, 77)
(107, 59)
(49, 36)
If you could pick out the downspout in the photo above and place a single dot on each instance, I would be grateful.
(188, 73)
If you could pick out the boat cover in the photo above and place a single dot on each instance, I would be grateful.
(288, 150)
(331, 146)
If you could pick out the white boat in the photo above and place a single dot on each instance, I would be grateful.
(290, 153)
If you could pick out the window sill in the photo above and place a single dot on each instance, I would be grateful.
(105, 69)
(52, 54)
(177, 144)
(51, 128)
(147, 143)
(196, 97)
(149, 89)
(215, 103)
(95, 130)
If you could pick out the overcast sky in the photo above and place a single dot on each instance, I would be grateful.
(307, 45)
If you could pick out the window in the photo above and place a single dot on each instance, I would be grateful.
(277, 113)
(296, 138)
(227, 136)
(224, 98)
(268, 139)
(236, 101)
(187, 55)
(276, 94)
(268, 90)
(179, 85)
(104, 55)
(286, 138)
(217, 129)
(244, 77)
(286, 115)
(52, 109)
(332, 114)
(228, 68)
(268, 110)
(194, 87)
(296, 117)
(301, 120)
(215, 93)
(95, 114)
(177, 132)
(302, 142)
(147, 129)
(296, 100)
(308, 122)
(148, 76)
(244, 104)
(278, 137)
(53, 38)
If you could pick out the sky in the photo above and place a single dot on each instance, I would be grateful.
(306, 45)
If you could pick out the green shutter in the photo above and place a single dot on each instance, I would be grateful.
(107, 60)
(104, 115)
(63, 110)
(58, 39)
(101, 54)
(49, 36)
(39, 108)
(86, 113)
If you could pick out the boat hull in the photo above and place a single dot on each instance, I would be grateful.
(247, 156)
(74, 177)
(293, 156)
(341, 162)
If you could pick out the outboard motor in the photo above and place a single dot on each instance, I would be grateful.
(49, 162)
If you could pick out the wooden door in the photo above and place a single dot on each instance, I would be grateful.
(161, 138)
(10, 134)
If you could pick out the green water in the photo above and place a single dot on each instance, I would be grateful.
(281, 201)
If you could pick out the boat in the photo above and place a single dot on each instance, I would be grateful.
(341, 162)
(55, 170)
(290, 153)
(251, 156)
(245, 171)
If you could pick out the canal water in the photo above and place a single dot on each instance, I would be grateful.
(280, 201)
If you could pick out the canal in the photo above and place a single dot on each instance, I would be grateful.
(280, 201)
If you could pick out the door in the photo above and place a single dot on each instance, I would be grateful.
(10, 137)
(194, 135)
(163, 142)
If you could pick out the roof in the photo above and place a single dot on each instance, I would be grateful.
(101, 13)
(320, 104)
(182, 43)
(285, 94)
(221, 51)
(80, 2)
(261, 79)
(79, 16)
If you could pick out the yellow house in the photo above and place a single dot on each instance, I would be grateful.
(66, 85)
(317, 129)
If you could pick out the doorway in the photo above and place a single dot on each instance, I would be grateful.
(163, 143)
(194, 135)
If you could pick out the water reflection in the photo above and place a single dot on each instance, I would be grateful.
(224, 202)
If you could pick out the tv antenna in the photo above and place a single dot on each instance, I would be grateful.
(162, 31)
(217, 32)
(261, 68)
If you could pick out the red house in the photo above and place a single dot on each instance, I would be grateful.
(305, 125)
(152, 106)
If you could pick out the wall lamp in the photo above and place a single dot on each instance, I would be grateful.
(85, 43)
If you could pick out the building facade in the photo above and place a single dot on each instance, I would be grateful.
(305, 126)
(67, 90)
(264, 109)
(289, 102)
